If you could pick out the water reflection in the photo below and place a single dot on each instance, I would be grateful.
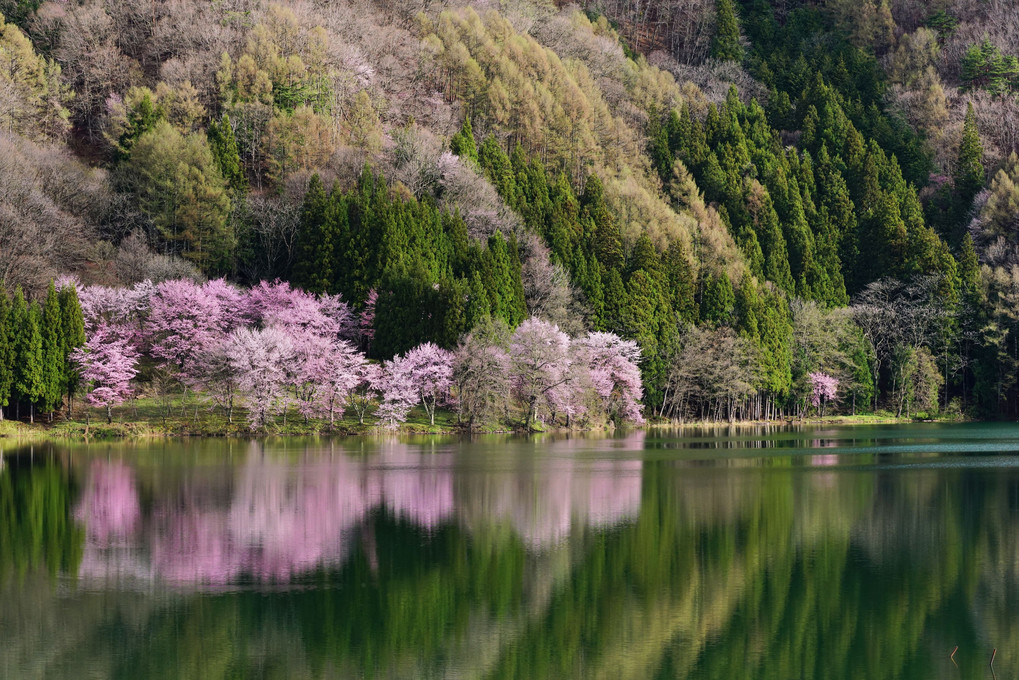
(630, 557)
(282, 517)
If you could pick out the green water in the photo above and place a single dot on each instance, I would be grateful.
(863, 552)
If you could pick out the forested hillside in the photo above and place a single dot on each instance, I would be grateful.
(791, 206)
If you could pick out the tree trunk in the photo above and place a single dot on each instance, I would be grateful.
(109, 414)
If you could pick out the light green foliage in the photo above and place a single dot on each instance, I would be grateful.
(178, 185)
(281, 65)
(33, 96)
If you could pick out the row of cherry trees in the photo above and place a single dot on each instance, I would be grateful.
(274, 349)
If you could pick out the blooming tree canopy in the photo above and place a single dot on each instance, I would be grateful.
(430, 370)
(614, 373)
(399, 393)
(259, 358)
(823, 388)
(274, 346)
(106, 364)
(539, 363)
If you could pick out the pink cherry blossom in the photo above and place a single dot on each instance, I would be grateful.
(106, 364)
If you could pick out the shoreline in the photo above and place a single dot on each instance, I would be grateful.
(73, 431)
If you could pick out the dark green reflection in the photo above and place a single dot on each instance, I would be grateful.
(37, 531)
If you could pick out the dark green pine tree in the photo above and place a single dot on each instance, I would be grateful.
(6, 351)
(680, 282)
(499, 170)
(615, 301)
(969, 269)
(463, 144)
(727, 44)
(658, 146)
(477, 309)
(746, 307)
(28, 356)
(142, 117)
(53, 345)
(717, 300)
(969, 168)
(605, 236)
(223, 144)
(314, 247)
(73, 324)
(647, 317)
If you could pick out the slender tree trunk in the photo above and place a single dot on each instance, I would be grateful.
(31, 413)
(109, 414)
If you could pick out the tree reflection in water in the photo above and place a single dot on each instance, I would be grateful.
(516, 558)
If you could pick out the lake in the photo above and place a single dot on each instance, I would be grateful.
(819, 552)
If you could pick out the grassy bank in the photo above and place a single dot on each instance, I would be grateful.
(877, 418)
(147, 417)
(177, 417)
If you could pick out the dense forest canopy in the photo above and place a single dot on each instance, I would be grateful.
(789, 205)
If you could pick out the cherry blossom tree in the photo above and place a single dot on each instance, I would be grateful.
(277, 304)
(339, 311)
(823, 389)
(539, 363)
(106, 364)
(311, 369)
(234, 303)
(572, 397)
(344, 368)
(114, 305)
(429, 369)
(259, 358)
(184, 319)
(399, 392)
(614, 373)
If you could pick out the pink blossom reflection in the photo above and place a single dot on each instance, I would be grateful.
(613, 492)
(273, 518)
(194, 546)
(109, 506)
(415, 486)
(290, 519)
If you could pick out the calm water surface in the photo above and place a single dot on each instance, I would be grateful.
(864, 552)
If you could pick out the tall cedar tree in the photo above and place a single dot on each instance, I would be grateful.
(969, 168)
(73, 325)
(53, 357)
(223, 144)
(28, 385)
(727, 44)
